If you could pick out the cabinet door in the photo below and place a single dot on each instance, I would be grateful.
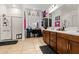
(53, 40)
(53, 45)
(74, 47)
(53, 36)
(62, 45)
(46, 36)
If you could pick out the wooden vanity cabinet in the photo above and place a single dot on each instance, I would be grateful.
(74, 47)
(52, 42)
(67, 43)
(46, 37)
(62, 44)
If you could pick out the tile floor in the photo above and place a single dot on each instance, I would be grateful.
(28, 46)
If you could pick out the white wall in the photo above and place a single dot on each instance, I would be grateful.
(10, 11)
(31, 20)
(3, 9)
(14, 12)
(55, 14)
(70, 13)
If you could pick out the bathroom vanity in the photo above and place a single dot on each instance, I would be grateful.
(63, 42)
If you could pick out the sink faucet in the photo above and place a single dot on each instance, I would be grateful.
(64, 25)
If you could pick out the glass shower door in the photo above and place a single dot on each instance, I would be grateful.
(5, 28)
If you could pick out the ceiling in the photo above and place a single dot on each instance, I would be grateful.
(35, 6)
(38, 6)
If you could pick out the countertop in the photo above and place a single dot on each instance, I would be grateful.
(70, 32)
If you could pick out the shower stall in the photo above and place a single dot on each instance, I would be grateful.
(11, 27)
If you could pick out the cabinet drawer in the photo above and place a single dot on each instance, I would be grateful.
(53, 33)
(53, 45)
(69, 37)
(46, 32)
(62, 35)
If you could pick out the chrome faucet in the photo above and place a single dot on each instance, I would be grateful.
(64, 25)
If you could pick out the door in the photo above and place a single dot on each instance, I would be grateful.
(46, 37)
(53, 40)
(5, 27)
